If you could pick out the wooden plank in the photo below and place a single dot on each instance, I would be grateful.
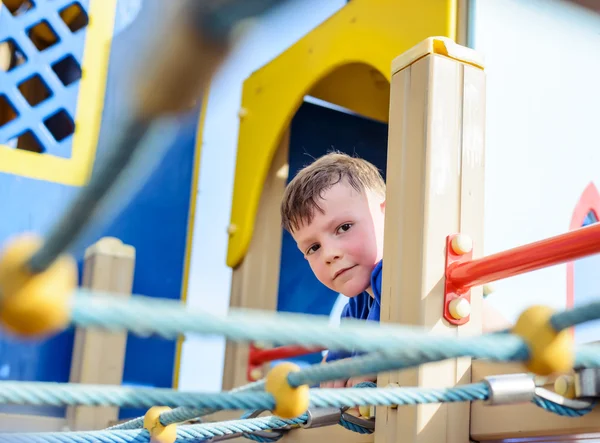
(31, 423)
(98, 357)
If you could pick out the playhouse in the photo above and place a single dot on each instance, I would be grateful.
(480, 115)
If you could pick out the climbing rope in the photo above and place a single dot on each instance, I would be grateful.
(183, 413)
(390, 347)
(55, 394)
(168, 319)
(185, 434)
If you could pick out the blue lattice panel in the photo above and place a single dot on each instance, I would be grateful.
(48, 58)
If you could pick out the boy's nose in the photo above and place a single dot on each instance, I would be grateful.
(333, 255)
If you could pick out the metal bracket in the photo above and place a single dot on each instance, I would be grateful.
(450, 292)
(563, 401)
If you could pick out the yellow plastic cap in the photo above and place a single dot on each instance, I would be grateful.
(289, 402)
(34, 304)
(159, 433)
(550, 351)
(565, 386)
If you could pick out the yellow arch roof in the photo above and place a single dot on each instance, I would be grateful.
(347, 61)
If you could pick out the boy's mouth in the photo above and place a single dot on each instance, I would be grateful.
(341, 271)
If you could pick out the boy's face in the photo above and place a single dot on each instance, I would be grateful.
(344, 243)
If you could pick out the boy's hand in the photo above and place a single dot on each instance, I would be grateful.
(334, 384)
(357, 380)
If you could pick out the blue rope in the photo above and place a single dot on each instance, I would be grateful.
(55, 394)
(391, 346)
(502, 347)
(185, 434)
(183, 413)
(587, 356)
(575, 316)
(168, 319)
(560, 409)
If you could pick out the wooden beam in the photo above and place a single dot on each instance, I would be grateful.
(434, 189)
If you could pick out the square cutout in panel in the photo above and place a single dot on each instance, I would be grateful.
(7, 111)
(29, 142)
(74, 17)
(35, 90)
(11, 55)
(67, 70)
(19, 8)
(60, 125)
(42, 35)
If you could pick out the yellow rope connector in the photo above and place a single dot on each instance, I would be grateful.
(551, 351)
(159, 433)
(289, 402)
(33, 304)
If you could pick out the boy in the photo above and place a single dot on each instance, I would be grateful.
(335, 211)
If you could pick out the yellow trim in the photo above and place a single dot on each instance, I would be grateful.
(190, 228)
(364, 33)
(76, 170)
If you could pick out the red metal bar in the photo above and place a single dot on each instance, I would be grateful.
(549, 252)
(260, 356)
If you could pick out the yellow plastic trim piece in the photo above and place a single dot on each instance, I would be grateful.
(159, 433)
(551, 352)
(289, 402)
(347, 61)
(76, 170)
(34, 304)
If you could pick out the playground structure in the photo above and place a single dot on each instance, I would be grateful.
(435, 81)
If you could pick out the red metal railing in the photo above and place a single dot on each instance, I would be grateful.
(462, 275)
(257, 357)
(549, 252)
(260, 356)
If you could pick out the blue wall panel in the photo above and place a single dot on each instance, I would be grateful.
(154, 222)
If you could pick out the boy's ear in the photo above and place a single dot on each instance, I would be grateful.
(382, 206)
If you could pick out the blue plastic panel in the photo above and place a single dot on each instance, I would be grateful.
(59, 61)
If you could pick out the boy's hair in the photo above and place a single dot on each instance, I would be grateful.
(301, 195)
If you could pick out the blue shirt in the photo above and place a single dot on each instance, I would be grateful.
(362, 307)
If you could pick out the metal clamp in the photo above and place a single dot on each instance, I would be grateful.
(319, 417)
(510, 389)
(587, 382)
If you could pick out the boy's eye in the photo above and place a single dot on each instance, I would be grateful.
(312, 249)
(345, 227)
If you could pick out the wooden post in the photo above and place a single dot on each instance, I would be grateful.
(434, 189)
(256, 281)
(98, 357)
